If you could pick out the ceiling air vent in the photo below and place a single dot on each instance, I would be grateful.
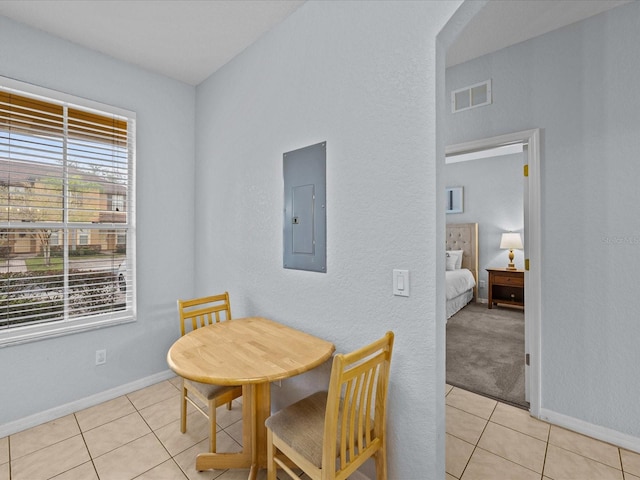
(471, 97)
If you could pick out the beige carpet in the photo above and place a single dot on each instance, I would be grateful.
(485, 352)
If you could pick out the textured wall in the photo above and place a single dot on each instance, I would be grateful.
(577, 85)
(360, 76)
(39, 376)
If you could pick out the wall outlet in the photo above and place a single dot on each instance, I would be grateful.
(482, 283)
(101, 357)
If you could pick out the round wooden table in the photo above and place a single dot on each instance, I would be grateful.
(251, 352)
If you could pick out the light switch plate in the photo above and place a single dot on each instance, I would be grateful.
(401, 283)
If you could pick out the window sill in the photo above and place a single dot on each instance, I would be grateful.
(31, 333)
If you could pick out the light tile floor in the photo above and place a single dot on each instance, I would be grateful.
(133, 436)
(489, 440)
(137, 436)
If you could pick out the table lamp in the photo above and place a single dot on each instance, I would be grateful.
(510, 241)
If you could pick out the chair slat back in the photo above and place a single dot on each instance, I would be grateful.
(204, 311)
(355, 418)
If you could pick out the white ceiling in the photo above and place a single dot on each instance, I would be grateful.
(502, 23)
(190, 39)
(183, 39)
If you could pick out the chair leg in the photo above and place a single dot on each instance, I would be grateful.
(229, 406)
(183, 409)
(271, 464)
(212, 426)
(381, 464)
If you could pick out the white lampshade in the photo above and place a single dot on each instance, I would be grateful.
(511, 240)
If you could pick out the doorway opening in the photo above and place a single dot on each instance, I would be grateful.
(530, 142)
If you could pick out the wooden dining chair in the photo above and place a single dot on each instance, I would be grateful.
(329, 435)
(196, 313)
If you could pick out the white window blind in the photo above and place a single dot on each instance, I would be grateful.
(65, 252)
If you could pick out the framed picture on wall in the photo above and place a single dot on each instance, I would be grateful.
(454, 202)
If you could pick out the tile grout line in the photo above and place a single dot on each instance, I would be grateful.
(9, 452)
(621, 469)
(113, 420)
(512, 461)
(159, 441)
(475, 446)
(522, 433)
(172, 457)
(137, 411)
(84, 440)
(621, 464)
(546, 450)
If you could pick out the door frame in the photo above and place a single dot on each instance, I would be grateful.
(532, 248)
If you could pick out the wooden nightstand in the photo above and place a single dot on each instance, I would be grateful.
(506, 286)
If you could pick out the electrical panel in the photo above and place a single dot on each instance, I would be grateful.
(305, 219)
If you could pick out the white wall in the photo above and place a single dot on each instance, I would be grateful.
(493, 198)
(49, 374)
(360, 76)
(578, 85)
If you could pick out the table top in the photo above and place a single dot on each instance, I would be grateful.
(246, 350)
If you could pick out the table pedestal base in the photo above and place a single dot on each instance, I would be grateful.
(256, 408)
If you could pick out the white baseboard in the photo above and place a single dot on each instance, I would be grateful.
(604, 434)
(77, 405)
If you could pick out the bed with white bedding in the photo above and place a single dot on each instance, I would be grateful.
(460, 285)
(462, 265)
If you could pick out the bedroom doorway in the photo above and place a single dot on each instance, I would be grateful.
(530, 141)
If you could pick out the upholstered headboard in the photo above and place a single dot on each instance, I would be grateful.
(464, 236)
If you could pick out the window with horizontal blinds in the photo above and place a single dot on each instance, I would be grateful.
(67, 217)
